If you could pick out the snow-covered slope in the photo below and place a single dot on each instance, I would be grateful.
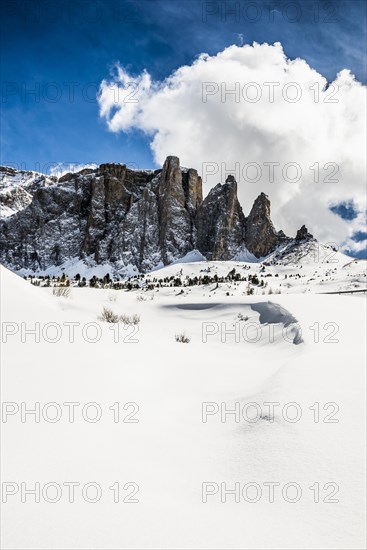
(333, 272)
(170, 454)
(17, 188)
(303, 267)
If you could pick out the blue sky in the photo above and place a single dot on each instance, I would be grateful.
(45, 47)
(46, 44)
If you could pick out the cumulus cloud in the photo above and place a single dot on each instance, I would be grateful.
(273, 122)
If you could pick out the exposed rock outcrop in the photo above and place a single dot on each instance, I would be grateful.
(133, 219)
(175, 227)
(220, 222)
(261, 237)
(303, 234)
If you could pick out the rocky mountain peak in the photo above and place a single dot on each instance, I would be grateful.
(231, 180)
(132, 219)
(220, 222)
(261, 236)
(303, 234)
(175, 224)
(171, 180)
(261, 205)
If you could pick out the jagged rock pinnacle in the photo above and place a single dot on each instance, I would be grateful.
(261, 237)
(303, 234)
(231, 179)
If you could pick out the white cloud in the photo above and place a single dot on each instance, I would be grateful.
(325, 126)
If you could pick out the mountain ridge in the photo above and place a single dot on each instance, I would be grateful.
(136, 219)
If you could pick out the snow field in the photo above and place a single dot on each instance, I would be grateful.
(177, 459)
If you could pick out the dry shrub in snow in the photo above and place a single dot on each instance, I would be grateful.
(61, 291)
(130, 319)
(142, 298)
(108, 316)
(183, 338)
(242, 317)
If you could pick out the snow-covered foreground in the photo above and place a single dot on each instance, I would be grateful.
(294, 458)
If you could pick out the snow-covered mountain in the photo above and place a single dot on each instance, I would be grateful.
(134, 221)
(17, 188)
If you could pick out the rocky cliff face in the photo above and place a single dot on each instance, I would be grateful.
(260, 235)
(220, 222)
(175, 224)
(133, 219)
